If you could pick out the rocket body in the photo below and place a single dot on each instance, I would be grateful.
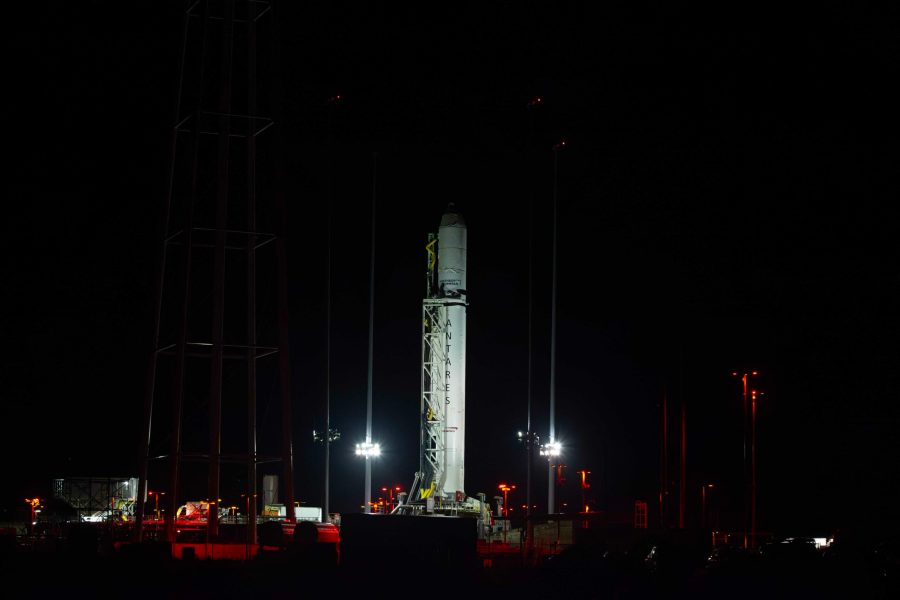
(451, 276)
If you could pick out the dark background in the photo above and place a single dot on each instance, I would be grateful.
(726, 201)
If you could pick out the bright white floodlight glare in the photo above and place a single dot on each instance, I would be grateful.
(551, 449)
(368, 450)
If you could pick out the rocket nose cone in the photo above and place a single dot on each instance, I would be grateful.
(452, 218)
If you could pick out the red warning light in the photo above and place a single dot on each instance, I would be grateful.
(536, 101)
(560, 145)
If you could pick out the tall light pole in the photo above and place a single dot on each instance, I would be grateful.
(505, 488)
(390, 491)
(247, 505)
(664, 463)
(327, 437)
(34, 503)
(251, 522)
(530, 438)
(704, 521)
(683, 487)
(753, 395)
(330, 434)
(551, 484)
(746, 466)
(552, 450)
(584, 486)
(369, 449)
(531, 441)
(156, 496)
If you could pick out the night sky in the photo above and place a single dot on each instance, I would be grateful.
(727, 200)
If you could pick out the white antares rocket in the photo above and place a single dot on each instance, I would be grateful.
(452, 297)
(439, 485)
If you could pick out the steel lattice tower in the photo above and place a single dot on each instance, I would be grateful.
(221, 336)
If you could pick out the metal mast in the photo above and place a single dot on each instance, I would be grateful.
(551, 488)
(530, 438)
(330, 434)
(371, 340)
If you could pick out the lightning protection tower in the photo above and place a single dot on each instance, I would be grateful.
(220, 347)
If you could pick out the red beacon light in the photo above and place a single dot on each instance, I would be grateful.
(559, 145)
(536, 101)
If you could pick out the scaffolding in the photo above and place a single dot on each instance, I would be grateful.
(97, 498)
(221, 305)
(434, 418)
